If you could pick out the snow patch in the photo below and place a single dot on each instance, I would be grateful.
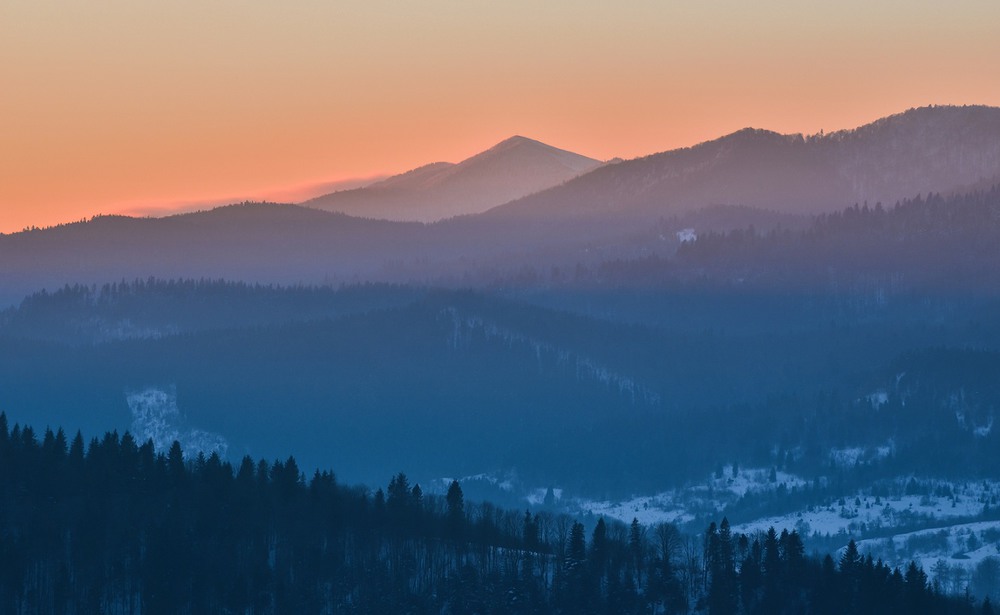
(878, 398)
(984, 430)
(961, 546)
(694, 500)
(686, 235)
(851, 456)
(155, 417)
(536, 497)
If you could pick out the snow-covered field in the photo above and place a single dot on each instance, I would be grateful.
(947, 526)
(927, 521)
(859, 514)
(963, 544)
(688, 503)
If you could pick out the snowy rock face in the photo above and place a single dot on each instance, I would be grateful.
(155, 416)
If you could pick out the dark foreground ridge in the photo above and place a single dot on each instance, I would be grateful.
(115, 527)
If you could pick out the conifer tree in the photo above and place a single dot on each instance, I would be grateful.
(456, 509)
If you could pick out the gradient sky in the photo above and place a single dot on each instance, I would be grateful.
(126, 105)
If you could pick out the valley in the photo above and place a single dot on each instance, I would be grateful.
(676, 339)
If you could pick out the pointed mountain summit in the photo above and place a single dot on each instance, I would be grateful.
(930, 149)
(511, 169)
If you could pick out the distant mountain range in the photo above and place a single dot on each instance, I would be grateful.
(618, 211)
(930, 149)
(509, 170)
(636, 308)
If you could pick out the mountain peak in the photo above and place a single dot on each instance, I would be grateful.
(511, 169)
(515, 141)
(524, 150)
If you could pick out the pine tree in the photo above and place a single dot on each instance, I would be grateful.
(850, 560)
(722, 595)
(550, 498)
(635, 547)
(915, 581)
(576, 551)
(774, 587)
(529, 530)
(398, 493)
(175, 461)
(750, 578)
(456, 509)
(76, 452)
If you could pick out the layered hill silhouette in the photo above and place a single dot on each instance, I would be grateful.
(273, 243)
(930, 149)
(509, 170)
(621, 211)
(255, 242)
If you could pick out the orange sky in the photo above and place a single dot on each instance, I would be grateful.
(119, 105)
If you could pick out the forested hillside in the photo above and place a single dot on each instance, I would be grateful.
(836, 375)
(932, 244)
(473, 383)
(115, 526)
(153, 308)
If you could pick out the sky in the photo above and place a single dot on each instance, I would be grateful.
(111, 106)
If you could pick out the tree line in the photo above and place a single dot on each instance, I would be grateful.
(114, 526)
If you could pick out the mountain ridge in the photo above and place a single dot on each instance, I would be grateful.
(929, 149)
(619, 211)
